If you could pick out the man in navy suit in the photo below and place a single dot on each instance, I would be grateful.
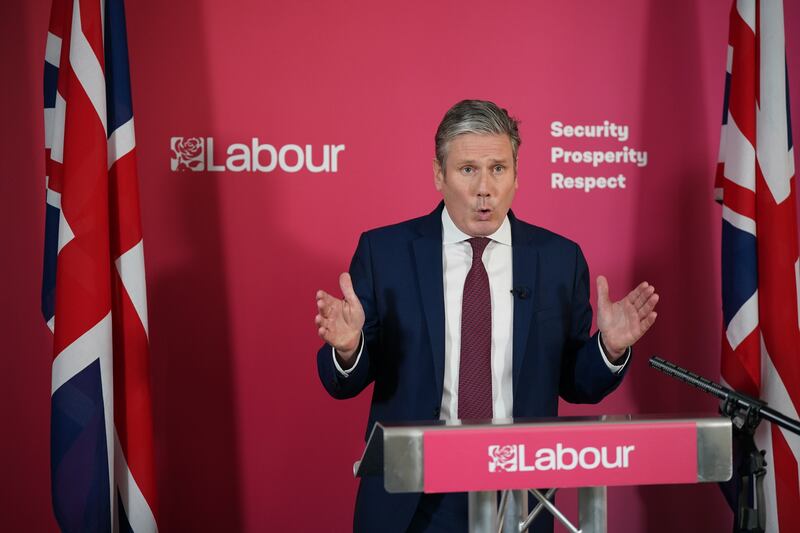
(469, 312)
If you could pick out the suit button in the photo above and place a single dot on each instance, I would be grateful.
(436, 412)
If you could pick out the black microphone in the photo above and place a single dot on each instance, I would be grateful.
(732, 399)
(695, 380)
(521, 292)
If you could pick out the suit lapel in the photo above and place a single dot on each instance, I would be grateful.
(428, 258)
(524, 264)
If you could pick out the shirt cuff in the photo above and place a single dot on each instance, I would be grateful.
(346, 373)
(616, 369)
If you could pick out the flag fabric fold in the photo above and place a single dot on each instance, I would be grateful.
(93, 290)
(756, 187)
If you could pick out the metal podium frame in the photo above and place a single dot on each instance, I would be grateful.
(396, 452)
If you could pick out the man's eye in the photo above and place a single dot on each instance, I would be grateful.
(499, 168)
(467, 170)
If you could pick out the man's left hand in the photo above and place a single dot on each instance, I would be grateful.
(624, 322)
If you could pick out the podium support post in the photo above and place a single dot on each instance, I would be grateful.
(482, 511)
(592, 509)
(516, 510)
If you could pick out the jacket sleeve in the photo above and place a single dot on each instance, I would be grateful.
(585, 378)
(338, 385)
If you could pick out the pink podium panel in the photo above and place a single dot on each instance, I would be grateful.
(556, 456)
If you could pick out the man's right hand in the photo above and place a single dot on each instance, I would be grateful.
(340, 321)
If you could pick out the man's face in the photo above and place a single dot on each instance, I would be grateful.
(478, 182)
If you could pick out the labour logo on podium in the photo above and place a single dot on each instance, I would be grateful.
(503, 458)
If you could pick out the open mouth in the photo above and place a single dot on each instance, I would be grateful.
(484, 213)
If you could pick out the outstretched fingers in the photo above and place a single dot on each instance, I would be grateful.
(648, 306)
(648, 321)
(640, 294)
(325, 303)
(324, 319)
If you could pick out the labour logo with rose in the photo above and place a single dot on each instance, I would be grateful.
(503, 458)
(187, 153)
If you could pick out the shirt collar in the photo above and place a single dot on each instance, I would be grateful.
(451, 233)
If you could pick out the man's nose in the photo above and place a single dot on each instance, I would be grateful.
(483, 185)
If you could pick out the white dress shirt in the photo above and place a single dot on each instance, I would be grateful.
(456, 262)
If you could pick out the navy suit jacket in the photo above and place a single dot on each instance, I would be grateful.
(397, 275)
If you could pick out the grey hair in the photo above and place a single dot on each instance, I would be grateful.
(475, 116)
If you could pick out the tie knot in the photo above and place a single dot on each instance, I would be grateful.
(478, 246)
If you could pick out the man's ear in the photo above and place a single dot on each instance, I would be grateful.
(438, 174)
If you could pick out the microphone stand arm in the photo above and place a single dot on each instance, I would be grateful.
(746, 413)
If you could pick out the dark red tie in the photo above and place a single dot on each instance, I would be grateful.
(475, 368)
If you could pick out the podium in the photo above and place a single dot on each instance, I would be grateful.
(501, 463)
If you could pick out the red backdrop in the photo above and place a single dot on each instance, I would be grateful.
(246, 439)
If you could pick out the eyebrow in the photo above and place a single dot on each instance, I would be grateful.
(474, 162)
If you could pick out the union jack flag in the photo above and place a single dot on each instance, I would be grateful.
(93, 291)
(755, 183)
